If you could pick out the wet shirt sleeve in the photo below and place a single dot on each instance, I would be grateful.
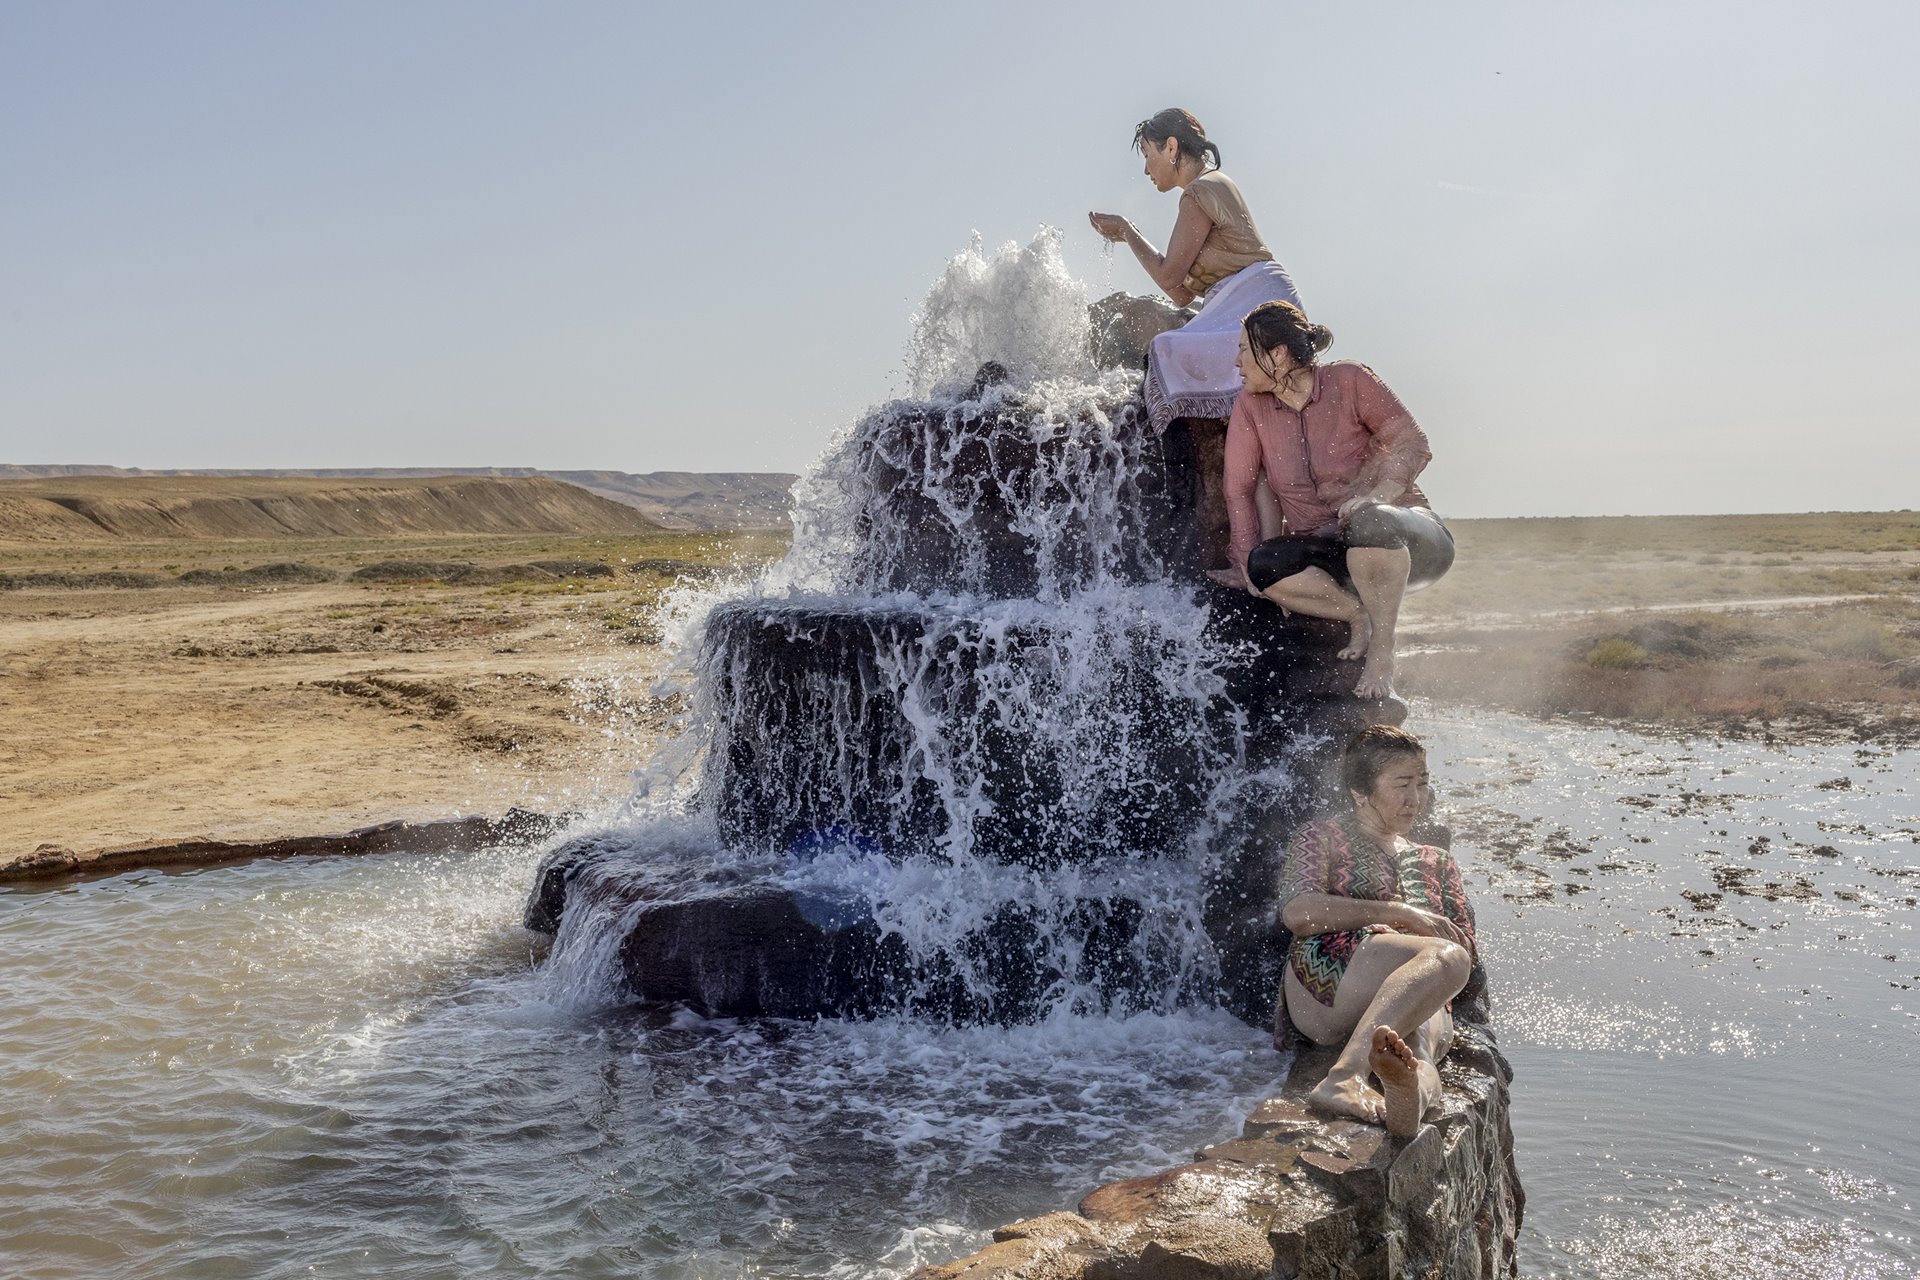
(1453, 899)
(1241, 477)
(1400, 450)
(1306, 868)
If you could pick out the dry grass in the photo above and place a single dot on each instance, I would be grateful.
(343, 555)
(1589, 617)
(1526, 566)
(1836, 671)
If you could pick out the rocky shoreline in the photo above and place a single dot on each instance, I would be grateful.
(1301, 1195)
(54, 862)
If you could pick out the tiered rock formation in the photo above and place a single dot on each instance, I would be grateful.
(1007, 672)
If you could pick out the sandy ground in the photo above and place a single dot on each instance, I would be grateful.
(254, 712)
(134, 716)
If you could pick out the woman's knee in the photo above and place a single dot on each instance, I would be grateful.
(1452, 959)
(1455, 961)
(1376, 526)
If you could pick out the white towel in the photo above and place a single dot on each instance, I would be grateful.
(1191, 371)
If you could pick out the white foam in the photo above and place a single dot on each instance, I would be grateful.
(1018, 307)
(1104, 680)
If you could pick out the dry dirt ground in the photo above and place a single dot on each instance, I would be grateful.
(250, 710)
(255, 712)
(1802, 627)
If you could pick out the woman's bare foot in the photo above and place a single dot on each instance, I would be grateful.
(1376, 678)
(1359, 637)
(1399, 1072)
(1348, 1098)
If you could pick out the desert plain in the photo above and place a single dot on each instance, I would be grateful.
(466, 646)
(253, 687)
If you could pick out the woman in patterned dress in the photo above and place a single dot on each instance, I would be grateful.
(1382, 939)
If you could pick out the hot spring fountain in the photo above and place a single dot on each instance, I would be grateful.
(980, 745)
(986, 746)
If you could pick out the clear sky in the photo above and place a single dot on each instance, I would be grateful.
(1617, 257)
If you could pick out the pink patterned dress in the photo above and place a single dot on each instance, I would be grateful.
(1337, 857)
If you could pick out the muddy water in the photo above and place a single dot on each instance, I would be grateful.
(1704, 955)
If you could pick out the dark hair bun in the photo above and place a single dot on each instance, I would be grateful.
(1281, 324)
(1179, 124)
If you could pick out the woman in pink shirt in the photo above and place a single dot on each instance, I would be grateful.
(1340, 452)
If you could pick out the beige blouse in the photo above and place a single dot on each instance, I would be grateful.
(1233, 242)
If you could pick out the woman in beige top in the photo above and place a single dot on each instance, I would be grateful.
(1216, 255)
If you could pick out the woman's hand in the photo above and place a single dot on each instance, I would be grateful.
(1352, 505)
(1422, 923)
(1111, 226)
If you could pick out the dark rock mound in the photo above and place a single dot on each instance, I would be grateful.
(573, 568)
(287, 574)
(466, 574)
(729, 947)
(107, 580)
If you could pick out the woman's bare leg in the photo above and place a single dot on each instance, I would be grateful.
(1325, 1026)
(1380, 580)
(1394, 980)
(1315, 593)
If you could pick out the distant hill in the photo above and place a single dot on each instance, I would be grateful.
(91, 507)
(672, 499)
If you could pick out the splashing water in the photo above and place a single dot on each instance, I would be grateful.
(975, 699)
(1019, 308)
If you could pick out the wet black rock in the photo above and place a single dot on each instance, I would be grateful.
(729, 946)
(1123, 325)
(1020, 667)
(943, 488)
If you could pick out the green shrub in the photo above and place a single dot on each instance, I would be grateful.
(1853, 635)
(1617, 653)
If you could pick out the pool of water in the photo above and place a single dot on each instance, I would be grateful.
(1704, 961)
(353, 1067)
(357, 1067)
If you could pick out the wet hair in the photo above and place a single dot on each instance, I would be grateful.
(1370, 752)
(1176, 123)
(1281, 324)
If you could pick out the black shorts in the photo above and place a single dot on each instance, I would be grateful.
(1415, 528)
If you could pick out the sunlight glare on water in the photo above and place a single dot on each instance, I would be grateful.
(350, 1067)
(1702, 955)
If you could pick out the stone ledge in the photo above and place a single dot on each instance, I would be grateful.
(52, 862)
(1299, 1195)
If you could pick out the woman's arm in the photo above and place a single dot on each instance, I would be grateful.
(1170, 269)
(1400, 450)
(1307, 914)
(1239, 481)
